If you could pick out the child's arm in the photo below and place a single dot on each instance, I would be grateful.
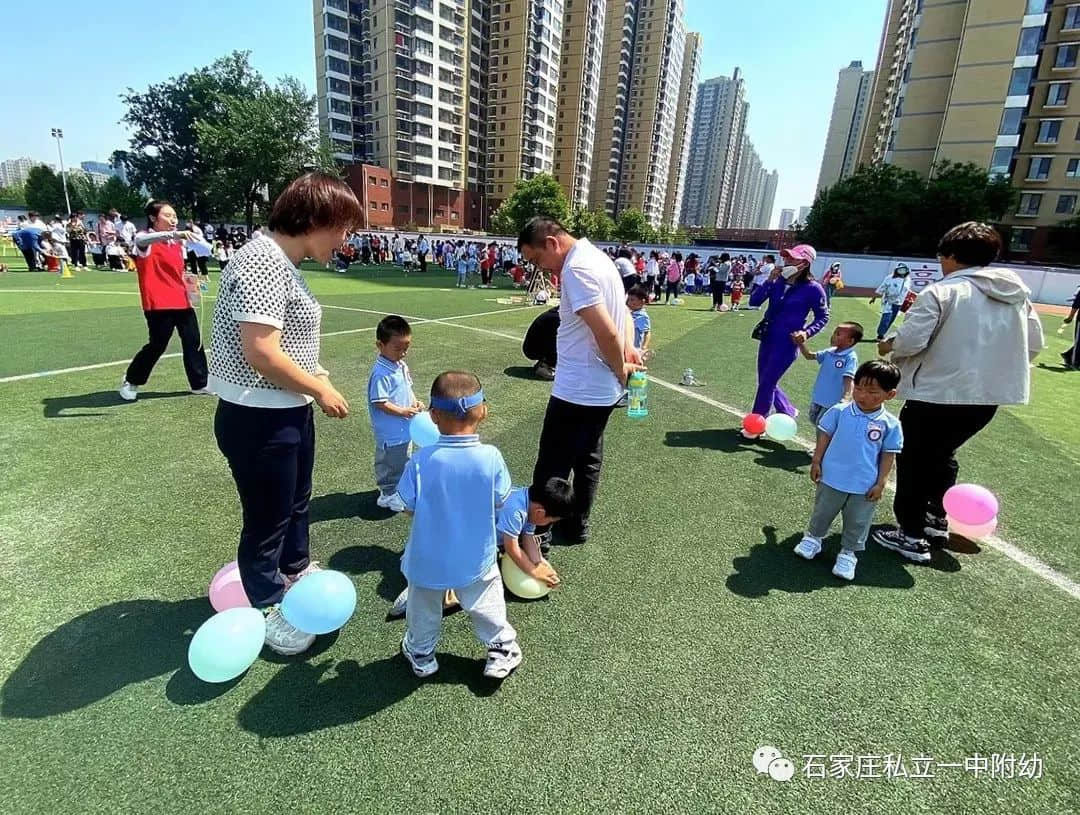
(645, 340)
(397, 410)
(885, 466)
(823, 440)
(540, 570)
(849, 389)
(806, 352)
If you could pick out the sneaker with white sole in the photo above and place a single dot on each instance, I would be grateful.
(398, 608)
(423, 665)
(201, 392)
(914, 549)
(501, 661)
(937, 532)
(292, 579)
(845, 565)
(809, 548)
(128, 392)
(391, 502)
(283, 637)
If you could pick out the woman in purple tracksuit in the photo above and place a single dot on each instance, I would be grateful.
(792, 294)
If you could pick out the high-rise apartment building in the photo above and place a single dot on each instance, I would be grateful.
(787, 218)
(989, 82)
(684, 117)
(579, 91)
(14, 171)
(844, 138)
(749, 185)
(712, 168)
(616, 61)
(768, 200)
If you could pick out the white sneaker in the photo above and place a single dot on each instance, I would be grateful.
(808, 548)
(391, 502)
(128, 392)
(201, 392)
(398, 608)
(423, 666)
(845, 565)
(502, 661)
(283, 637)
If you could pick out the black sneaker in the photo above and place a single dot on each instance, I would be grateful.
(936, 531)
(914, 549)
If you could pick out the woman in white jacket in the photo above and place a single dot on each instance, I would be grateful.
(964, 349)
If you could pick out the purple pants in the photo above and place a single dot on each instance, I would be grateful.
(775, 356)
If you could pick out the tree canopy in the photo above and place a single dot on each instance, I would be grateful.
(539, 195)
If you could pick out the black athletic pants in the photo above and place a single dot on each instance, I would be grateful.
(161, 324)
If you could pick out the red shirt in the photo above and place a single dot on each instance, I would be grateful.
(161, 277)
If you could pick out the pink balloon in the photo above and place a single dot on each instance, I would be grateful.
(970, 504)
(224, 573)
(229, 593)
(973, 532)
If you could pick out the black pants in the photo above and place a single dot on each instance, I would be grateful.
(718, 293)
(423, 262)
(197, 264)
(1071, 358)
(572, 442)
(927, 466)
(31, 259)
(271, 452)
(658, 287)
(672, 291)
(161, 324)
(78, 252)
(485, 274)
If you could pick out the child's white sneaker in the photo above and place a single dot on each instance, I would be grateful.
(422, 665)
(808, 548)
(391, 502)
(845, 565)
(128, 392)
(502, 661)
(283, 637)
(400, 603)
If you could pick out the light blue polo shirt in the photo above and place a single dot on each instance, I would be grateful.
(454, 488)
(389, 382)
(642, 326)
(513, 518)
(858, 440)
(835, 367)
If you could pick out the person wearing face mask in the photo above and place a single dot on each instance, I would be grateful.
(792, 294)
(893, 291)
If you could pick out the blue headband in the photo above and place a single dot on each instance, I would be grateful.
(459, 406)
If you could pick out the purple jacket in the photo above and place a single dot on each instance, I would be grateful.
(789, 305)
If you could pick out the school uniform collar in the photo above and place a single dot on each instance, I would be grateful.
(390, 365)
(471, 440)
(844, 352)
(857, 411)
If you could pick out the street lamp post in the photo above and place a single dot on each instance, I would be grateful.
(58, 134)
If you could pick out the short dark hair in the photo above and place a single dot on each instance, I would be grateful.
(971, 243)
(454, 385)
(769, 258)
(882, 372)
(32, 215)
(556, 496)
(624, 252)
(315, 201)
(853, 328)
(538, 229)
(639, 292)
(724, 257)
(392, 326)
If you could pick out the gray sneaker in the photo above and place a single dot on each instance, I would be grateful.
(423, 665)
(283, 637)
(501, 661)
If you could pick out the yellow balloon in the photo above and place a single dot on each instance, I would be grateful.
(520, 584)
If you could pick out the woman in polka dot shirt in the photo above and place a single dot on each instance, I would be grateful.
(265, 367)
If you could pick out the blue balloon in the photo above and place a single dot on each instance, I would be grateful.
(226, 644)
(320, 603)
(422, 430)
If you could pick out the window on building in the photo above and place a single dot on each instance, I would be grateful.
(1029, 204)
(1020, 239)
(422, 89)
(1072, 169)
(1029, 41)
(1020, 81)
(422, 109)
(1039, 168)
(1001, 163)
(1066, 56)
(1049, 131)
(1072, 19)
(425, 25)
(1066, 205)
(1057, 93)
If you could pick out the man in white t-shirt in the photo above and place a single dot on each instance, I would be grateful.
(596, 355)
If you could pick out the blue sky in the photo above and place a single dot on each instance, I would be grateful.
(789, 52)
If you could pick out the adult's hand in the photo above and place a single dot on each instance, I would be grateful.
(884, 348)
(776, 272)
(333, 404)
(634, 355)
(798, 337)
(627, 369)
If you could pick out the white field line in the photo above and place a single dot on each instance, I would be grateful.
(67, 291)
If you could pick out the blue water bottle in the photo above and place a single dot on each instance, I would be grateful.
(636, 401)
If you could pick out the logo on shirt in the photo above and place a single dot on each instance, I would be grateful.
(839, 363)
(875, 432)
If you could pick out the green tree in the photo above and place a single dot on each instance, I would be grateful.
(259, 144)
(165, 155)
(44, 191)
(115, 194)
(13, 196)
(596, 225)
(956, 193)
(631, 226)
(539, 195)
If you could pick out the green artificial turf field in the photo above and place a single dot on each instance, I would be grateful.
(686, 635)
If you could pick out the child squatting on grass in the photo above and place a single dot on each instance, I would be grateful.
(452, 489)
(526, 508)
(857, 444)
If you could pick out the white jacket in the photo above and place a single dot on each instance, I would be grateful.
(969, 340)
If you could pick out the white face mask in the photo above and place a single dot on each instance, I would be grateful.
(789, 272)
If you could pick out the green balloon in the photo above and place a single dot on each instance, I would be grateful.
(226, 644)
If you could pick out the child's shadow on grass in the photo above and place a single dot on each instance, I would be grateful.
(363, 559)
(57, 407)
(339, 506)
(774, 566)
(304, 697)
(769, 453)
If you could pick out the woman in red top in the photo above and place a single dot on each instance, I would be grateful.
(159, 260)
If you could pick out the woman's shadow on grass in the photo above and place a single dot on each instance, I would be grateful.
(339, 506)
(769, 453)
(774, 566)
(57, 407)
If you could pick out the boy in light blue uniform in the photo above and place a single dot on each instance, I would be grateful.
(391, 404)
(462, 267)
(836, 378)
(525, 508)
(636, 299)
(453, 490)
(857, 444)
